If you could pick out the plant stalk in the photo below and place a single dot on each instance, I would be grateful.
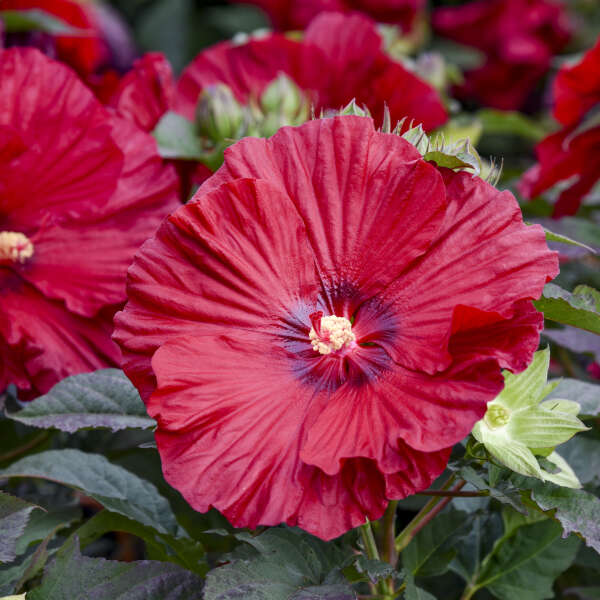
(427, 513)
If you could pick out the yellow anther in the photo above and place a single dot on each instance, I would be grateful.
(334, 333)
(15, 247)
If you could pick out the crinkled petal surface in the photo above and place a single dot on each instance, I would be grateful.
(146, 92)
(87, 188)
(231, 423)
(434, 270)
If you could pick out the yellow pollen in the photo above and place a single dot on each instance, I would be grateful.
(14, 247)
(336, 332)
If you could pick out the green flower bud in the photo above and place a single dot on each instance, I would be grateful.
(283, 97)
(219, 116)
(517, 425)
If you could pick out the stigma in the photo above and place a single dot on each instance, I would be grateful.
(330, 334)
(15, 247)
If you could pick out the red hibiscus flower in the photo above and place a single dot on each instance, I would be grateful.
(340, 58)
(577, 88)
(571, 155)
(297, 14)
(324, 320)
(518, 39)
(80, 191)
(101, 49)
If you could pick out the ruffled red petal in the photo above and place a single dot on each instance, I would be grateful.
(87, 188)
(520, 38)
(237, 450)
(72, 163)
(146, 92)
(46, 342)
(476, 261)
(565, 156)
(250, 247)
(577, 87)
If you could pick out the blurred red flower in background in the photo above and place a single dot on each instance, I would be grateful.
(518, 39)
(297, 14)
(80, 190)
(100, 49)
(339, 58)
(324, 320)
(570, 156)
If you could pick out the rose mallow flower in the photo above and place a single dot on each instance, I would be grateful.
(518, 39)
(325, 319)
(99, 49)
(340, 58)
(80, 190)
(570, 156)
(297, 14)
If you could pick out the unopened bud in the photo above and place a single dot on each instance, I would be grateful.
(219, 116)
(283, 97)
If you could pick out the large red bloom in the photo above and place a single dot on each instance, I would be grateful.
(271, 413)
(340, 58)
(518, 39)
(80, 190)
(297, 14)
(571, 155)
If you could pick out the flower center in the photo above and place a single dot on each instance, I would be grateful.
(496, 416)
(330, 334)
(15, 247)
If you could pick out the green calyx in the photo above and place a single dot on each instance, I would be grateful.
(519, 426)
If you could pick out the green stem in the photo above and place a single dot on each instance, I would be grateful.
(383, 588)
(426, 514)
(468, 592)
(368, 539)
(388, 551)
(453, 494)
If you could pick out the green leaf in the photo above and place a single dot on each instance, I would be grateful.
(20, 21)
(14, 514)
(581, 308)
(105, 398)
(176, 138)
(582, 453)
(525, 565)
(577, 511)
(587, 395)
(41, 524)
(114, 487)
(563, 239)
(510, 123)
(430, 552)
(503, 490)
(526, 388)
(78, 577)
(371, 569)
(412, 592)
(187, 553)
(284, 563)
(538, 427)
